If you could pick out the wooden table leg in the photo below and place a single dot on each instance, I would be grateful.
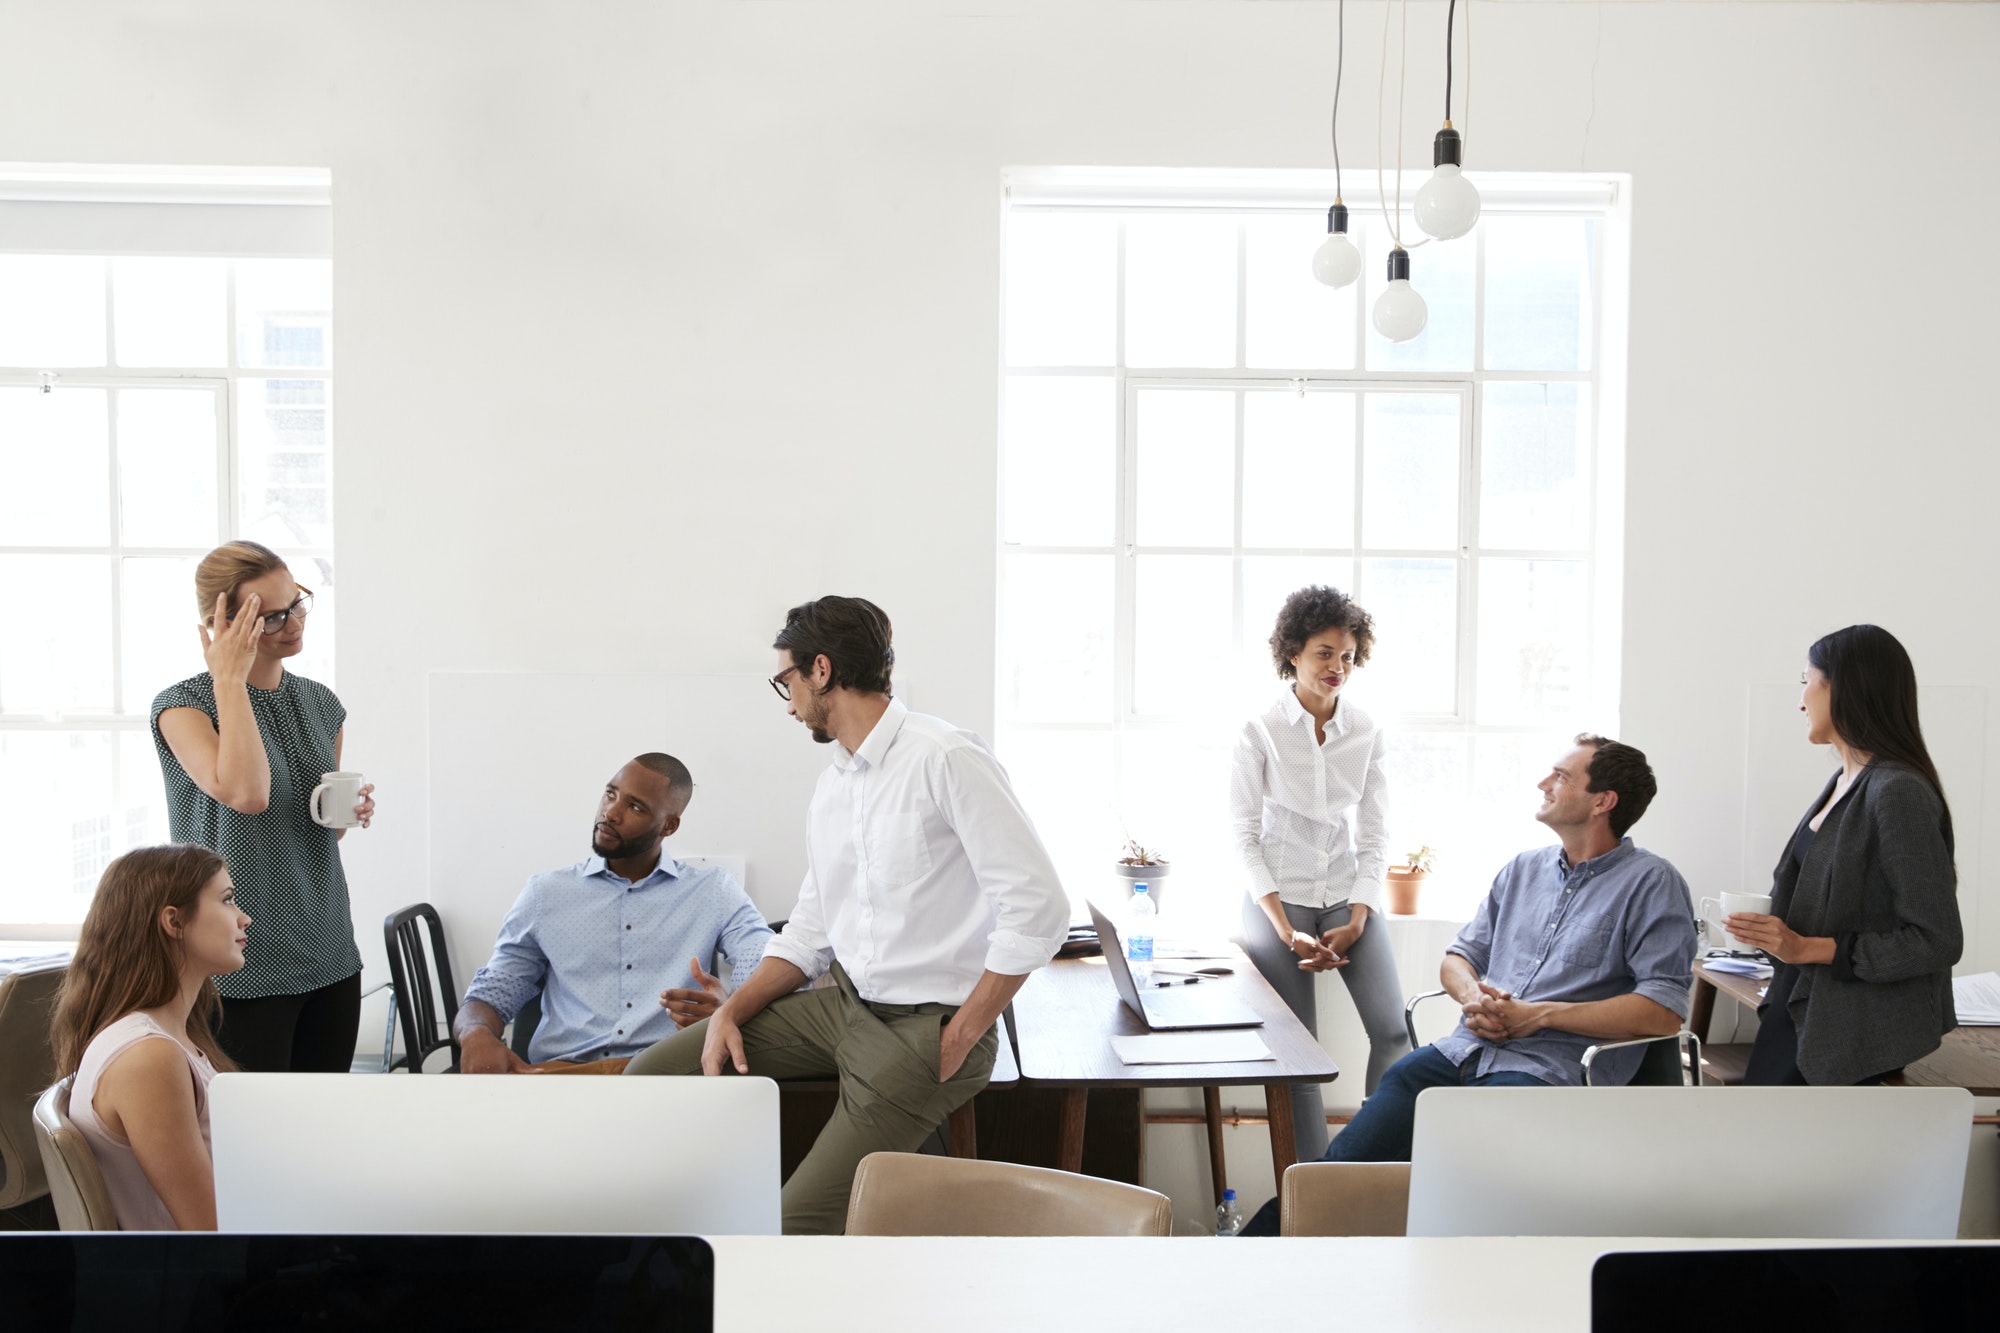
(1211, 1102)
(964, 1131)
(1069, 1152)
(1284, 1139)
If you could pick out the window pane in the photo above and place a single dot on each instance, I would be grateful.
(1173, 796)
(51, 311)
(1267, 581)
(1500, 820)
(1060, 458)
(315, 658)
(1298, 469)
(171, 312)
(1187, 467)
(1534, 468)
(1062, 290)
(166, 466)
(1442, 273)
(1180, 291)
(58, 824)
(1534, 624)
(142, 793)
(1291, 319)
(284, 462)
(1410, 479)
(1414, 604)
(1181, 641)
(1056, 650)
(55, 465)
(284, 312)
(55, 633)
(1538, 293)
(160, 642)
(1067, 783)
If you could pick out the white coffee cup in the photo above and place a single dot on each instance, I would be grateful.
(332, 802)
(1756, 904)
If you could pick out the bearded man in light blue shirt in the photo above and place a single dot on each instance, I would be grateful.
(596, 940)
(1586, 942)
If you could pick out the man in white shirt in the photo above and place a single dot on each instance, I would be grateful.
(927, 894)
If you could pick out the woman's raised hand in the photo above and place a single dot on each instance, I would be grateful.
(232, 649)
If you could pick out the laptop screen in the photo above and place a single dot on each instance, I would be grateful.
(1907, 1287)
(154, 1282)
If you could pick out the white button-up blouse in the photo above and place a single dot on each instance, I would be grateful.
(1310, 820)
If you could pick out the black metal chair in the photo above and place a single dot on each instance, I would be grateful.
(421, 991)
(526, 1019)
(1672, 1061)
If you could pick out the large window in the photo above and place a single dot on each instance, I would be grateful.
(151, 406)
(1192, 427)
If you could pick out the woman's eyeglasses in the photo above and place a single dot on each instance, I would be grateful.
(301, 606)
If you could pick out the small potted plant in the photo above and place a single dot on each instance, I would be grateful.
(1405, 880)
(1142, 865)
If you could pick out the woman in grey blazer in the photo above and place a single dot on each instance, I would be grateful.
(1864, 922)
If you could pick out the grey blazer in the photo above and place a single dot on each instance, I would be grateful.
(1879, 878)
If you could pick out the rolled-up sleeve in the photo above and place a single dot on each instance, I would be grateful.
(1660, 941)
(1008, 860)
(516, 972)
(744, 935)
(1247, 786)
(803, 942)
(1475, 943)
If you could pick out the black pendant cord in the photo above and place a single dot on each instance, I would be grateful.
(1339, 68)
(1449, 17)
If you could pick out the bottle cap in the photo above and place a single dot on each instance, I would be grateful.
(1139, 888)
(1229, 1196)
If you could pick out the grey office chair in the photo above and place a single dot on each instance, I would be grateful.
(1670, 1061)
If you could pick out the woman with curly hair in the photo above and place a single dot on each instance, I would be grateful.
(1308, 806)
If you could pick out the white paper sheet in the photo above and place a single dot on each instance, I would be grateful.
(1229, 1047)
(1977, 999)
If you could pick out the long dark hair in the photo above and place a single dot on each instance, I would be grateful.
(1874, 687)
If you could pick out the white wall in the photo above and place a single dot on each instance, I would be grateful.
(654, 319)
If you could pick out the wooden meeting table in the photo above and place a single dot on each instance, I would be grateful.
(1068, 1012)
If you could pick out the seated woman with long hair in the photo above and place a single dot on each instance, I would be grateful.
(132, 1023)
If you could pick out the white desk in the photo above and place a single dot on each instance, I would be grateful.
(920, 1285)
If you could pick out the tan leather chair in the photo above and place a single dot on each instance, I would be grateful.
(909, 1194)
(1345, 1199)
(82, 1202)
(27, 1065)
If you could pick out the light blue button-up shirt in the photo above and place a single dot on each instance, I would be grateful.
(1617, 924)
(599, 949)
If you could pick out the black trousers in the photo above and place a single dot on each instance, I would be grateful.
(313, 1033)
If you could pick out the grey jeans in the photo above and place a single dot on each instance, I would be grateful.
(1372, 984)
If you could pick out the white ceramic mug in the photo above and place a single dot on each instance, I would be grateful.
(1757, 904)
(332, 802)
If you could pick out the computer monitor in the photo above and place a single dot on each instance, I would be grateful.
(1853, 1163)
(168, 1282)
(451, 1154)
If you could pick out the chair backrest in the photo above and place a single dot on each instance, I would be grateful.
(909, 1194)
(75, 1184)
(1345, 1199)
(421, 998)
(1672, 1061)
(526, 1019)
(27, 1065)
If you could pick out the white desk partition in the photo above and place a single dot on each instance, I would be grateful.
(342, 1153)
(1855, 1163)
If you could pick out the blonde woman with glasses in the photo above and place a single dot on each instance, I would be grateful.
(241, 747)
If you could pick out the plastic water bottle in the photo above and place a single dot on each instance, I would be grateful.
(1139, 936)
(1228, 1215)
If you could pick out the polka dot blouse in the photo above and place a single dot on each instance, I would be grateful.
(285, 867)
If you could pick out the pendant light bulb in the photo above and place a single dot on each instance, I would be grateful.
(1448, 204)
(1337, 262)
(1400, 312)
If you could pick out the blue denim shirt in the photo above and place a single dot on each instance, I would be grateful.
(599, 951)
(1618, 924)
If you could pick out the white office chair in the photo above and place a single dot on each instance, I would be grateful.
(1670, 1061)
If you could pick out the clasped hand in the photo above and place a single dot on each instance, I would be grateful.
(1317, 955)
(1498, 1017)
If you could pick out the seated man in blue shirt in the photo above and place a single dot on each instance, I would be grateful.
(1587, 942)
(596, 939)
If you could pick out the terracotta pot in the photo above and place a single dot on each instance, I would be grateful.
(1403, 884)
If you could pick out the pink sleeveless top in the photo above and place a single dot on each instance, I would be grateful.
(138, 1204)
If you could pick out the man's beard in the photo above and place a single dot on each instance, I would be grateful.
(622, 851)
(823, 737)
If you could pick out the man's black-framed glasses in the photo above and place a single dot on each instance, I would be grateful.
(301, 606)
(781, 685)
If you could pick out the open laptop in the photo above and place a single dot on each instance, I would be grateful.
(1797, 1163)
(351, 1154)
(1176, 1009)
